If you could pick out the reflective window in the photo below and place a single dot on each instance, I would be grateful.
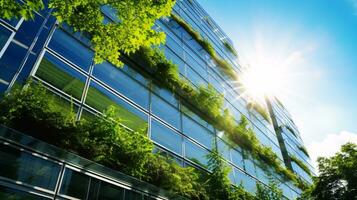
(197, 132)
(165, 111)
(74, 184)
(62, 76)
(10, 63)
(237, 158)
(166, 137)
(195, 153)
(110, 192)
(13, 21)
(4, 36)
(22, 166)
(248, 182)
(28, 30)
(131, 195)
(7, 193)
(100, 98)
(165, 94)
(71, 49)
(122, 83)
(224, 149)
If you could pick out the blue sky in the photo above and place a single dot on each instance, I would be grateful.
(317, 42)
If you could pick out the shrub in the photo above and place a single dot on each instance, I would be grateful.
(230, 48)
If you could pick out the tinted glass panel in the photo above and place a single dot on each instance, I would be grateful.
(110, 192)
(165, 111)
(7, 193)
(248, 182)
(62, 76)
(197, 132)
(224, 149)
(131, 195)
(122, 83)
(10, 63)
(237, 158)
(100, 99)
(22, 166)
(74, 184)
(196, 153)
(166, 137)
(71, 49)
(4, 36)
(28, 30)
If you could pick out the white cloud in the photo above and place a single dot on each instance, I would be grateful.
(330, 145)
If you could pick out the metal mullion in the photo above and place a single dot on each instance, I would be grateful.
(29, 50)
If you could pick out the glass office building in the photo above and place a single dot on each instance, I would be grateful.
(63, 61)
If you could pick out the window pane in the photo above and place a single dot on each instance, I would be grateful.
(71, 49)
(166, 137)
(195, 153)
(223, 149)
(165, 111)
(237, 158)
(110, 192)
(62, 76)
(248, 182)
(100, 99)
(122, 83)
(10, 63)
(74, 184)
(197, 132)
(131, 195)
(22, 166)
(8, 193)
(4, 36)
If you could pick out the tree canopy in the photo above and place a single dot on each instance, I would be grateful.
(130, 27)
(338, 176)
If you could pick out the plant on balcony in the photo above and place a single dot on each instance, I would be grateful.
(272, 192)
(131, 30)
(259, 109)
(224, 65)
(301, 164)
(102, 139)
(304, 150)
(209, 103)
(230, 48)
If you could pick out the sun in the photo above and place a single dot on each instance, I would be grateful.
(260, 81)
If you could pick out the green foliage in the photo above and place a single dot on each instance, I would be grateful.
(224, 65)
(338, 176)
(272, 192)
(132, 30)
(208, 101)
(218, 184)
(169, 175)
(301, 164)
(230, 48)
(101, 139)
(13, 9)
(195, 34)
(304, 150)
(259, 109)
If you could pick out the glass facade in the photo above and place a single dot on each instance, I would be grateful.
(63, 60)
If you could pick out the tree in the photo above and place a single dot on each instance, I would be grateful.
(338, 176)
(131, 29)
